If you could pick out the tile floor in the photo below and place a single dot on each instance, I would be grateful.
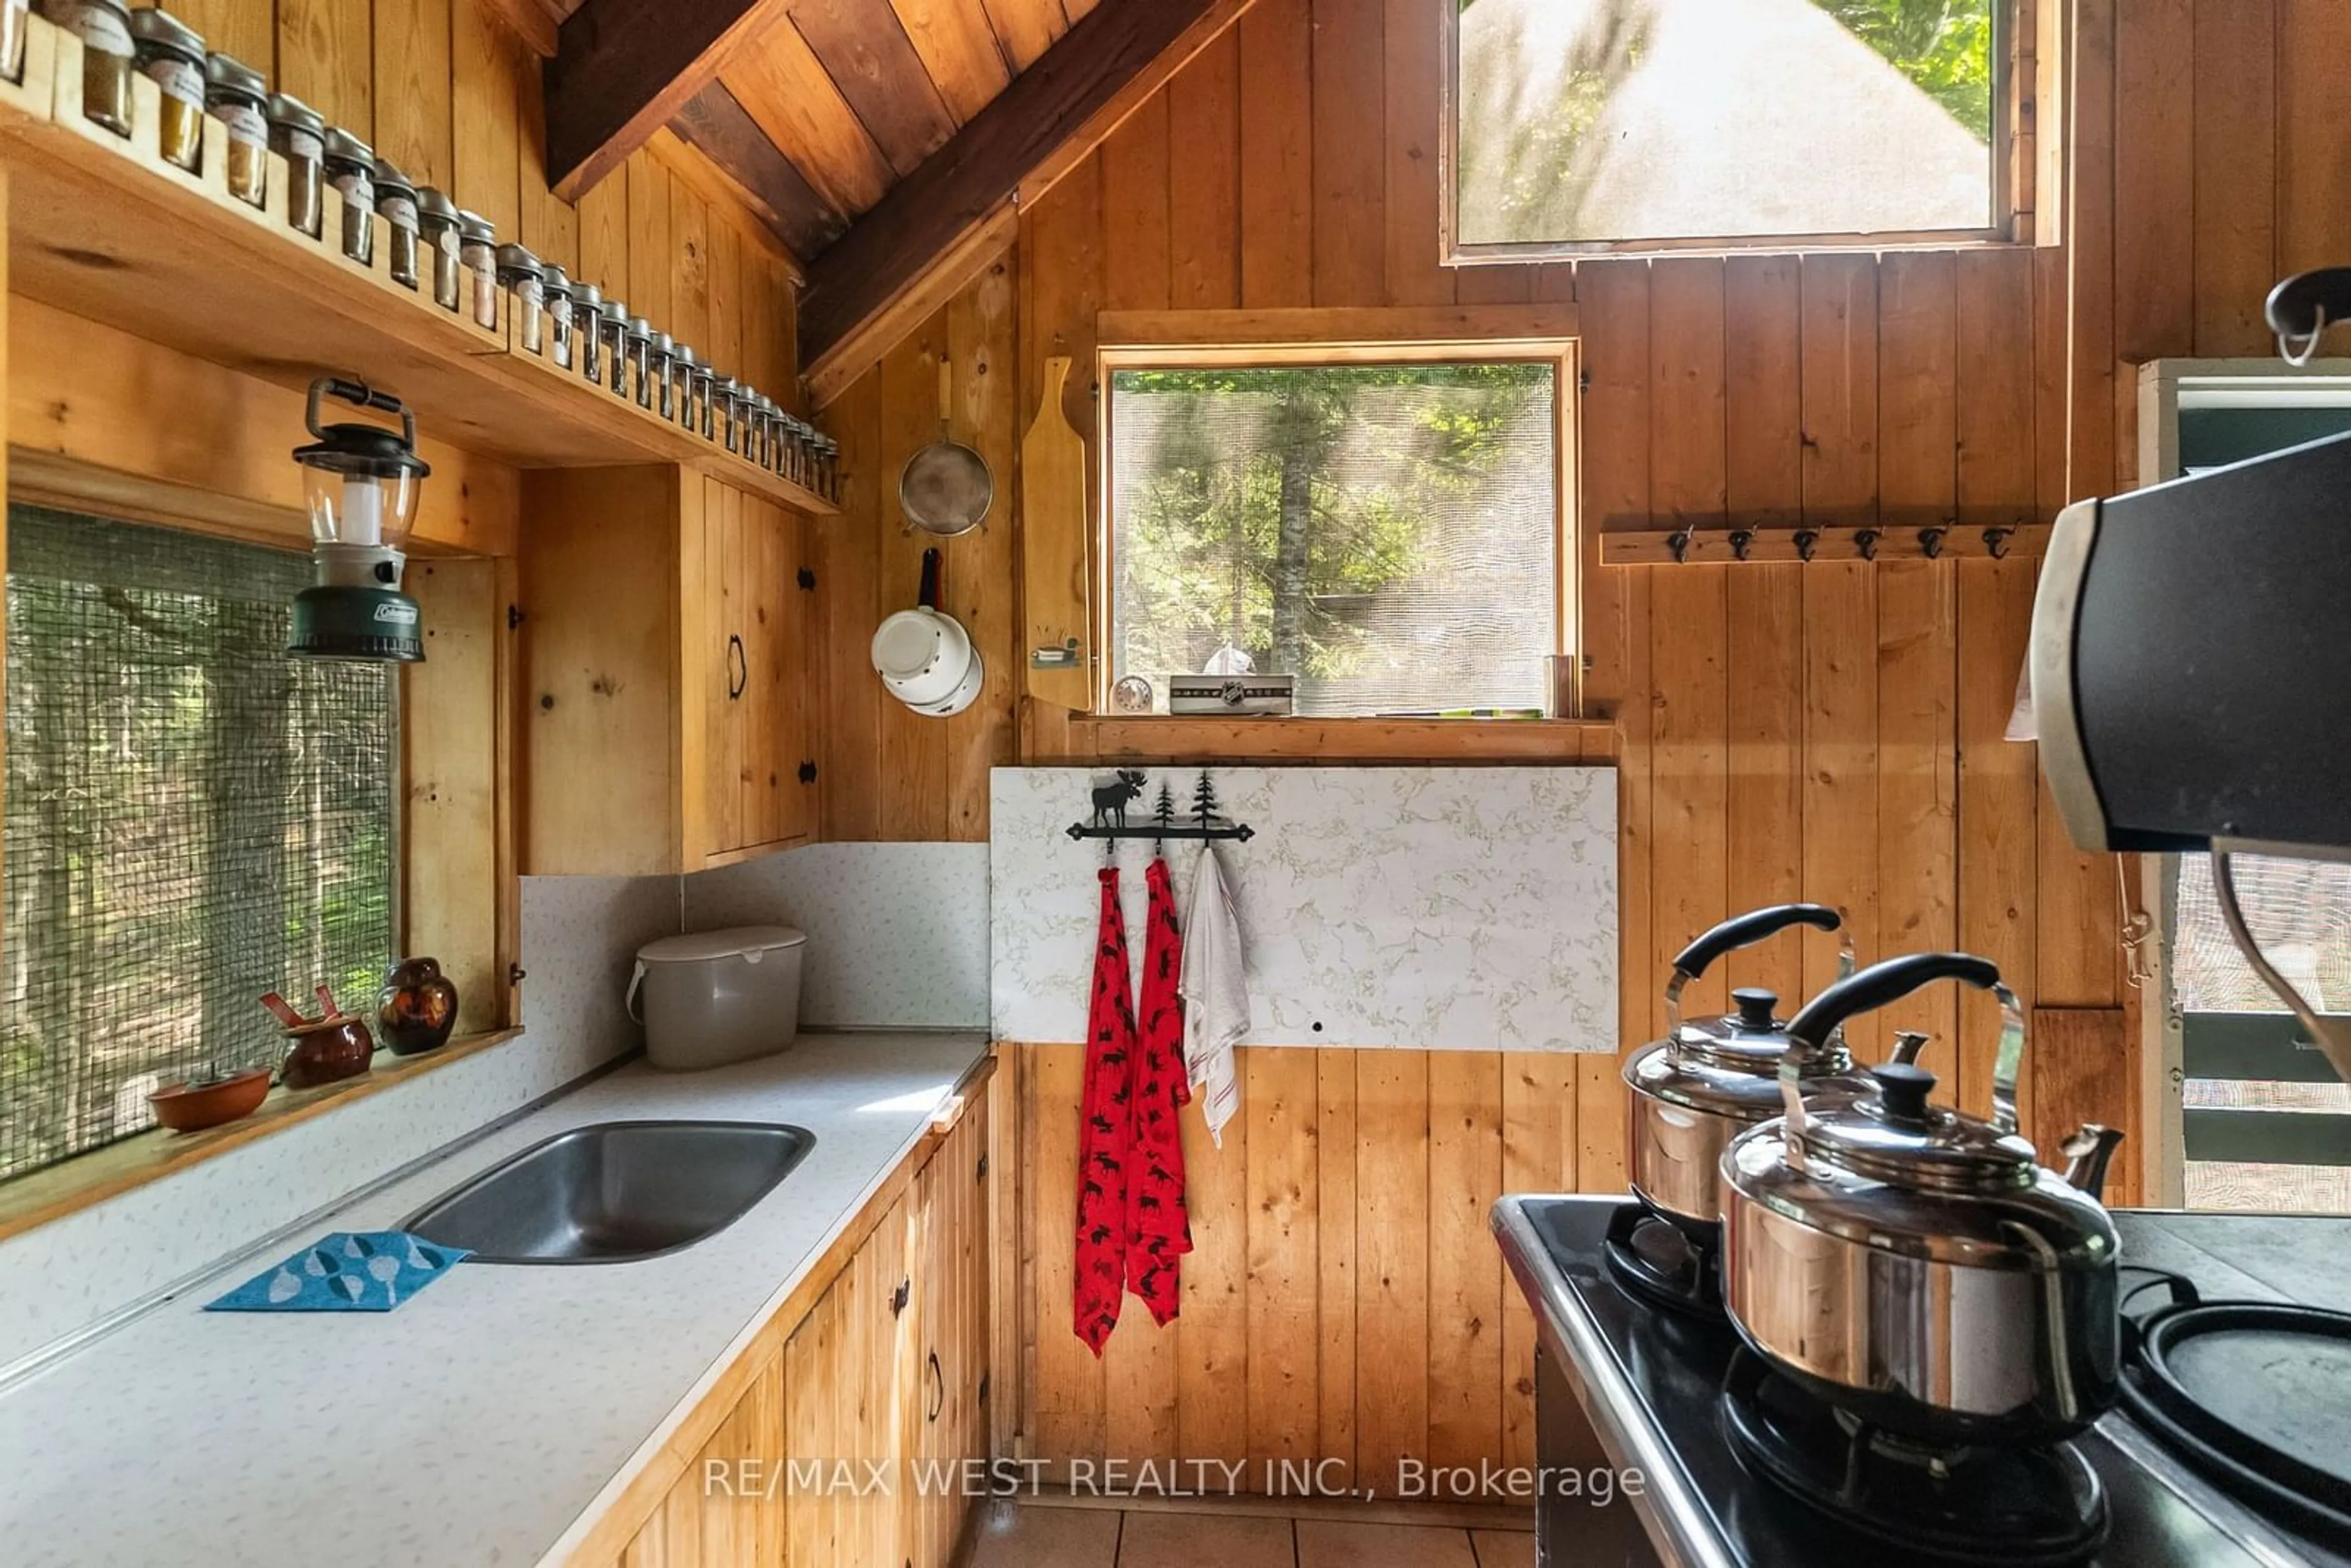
(1048, 1537)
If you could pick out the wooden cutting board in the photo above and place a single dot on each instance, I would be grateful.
(1054, 540)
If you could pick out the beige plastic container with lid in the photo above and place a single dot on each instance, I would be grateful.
(710, 997)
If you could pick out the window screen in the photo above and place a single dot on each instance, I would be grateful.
(1597, 122)
(1387, 534)
(193, 819)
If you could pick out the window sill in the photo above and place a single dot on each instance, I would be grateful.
(1058, 735)
(38, 1196)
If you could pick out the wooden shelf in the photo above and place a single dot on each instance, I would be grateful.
(100, 226)
(1164, 740)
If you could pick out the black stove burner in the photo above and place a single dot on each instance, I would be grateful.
(2257, 1394)
(2019, 1508)
(1658, 1261)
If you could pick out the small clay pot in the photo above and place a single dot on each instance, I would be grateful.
(416, 1009)
(326, 1051)
(193, 1107)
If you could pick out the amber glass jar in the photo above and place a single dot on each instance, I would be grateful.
(172, 55)
(298, 134)
(395, 204)
(350, 168)
(438, 221)
(477, 247)
(236, 95)
(104, 28)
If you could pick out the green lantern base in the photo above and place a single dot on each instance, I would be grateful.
(356, 623)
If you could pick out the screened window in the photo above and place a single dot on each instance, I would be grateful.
(193, 819)
(1387, 534)
(1630, 121)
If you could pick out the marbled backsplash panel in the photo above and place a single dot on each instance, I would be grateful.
(578, 934)
(1435, 908)
(897, 934)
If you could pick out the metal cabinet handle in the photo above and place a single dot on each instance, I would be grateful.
(939, 1384)
(739, 667)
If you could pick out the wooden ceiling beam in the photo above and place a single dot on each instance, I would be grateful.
(1036, 130)
(716, 124)
(624, 69)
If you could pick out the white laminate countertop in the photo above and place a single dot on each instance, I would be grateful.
(489, 1419)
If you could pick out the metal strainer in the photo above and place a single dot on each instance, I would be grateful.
(947, 487)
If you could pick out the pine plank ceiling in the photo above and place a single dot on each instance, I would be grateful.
(821, 106)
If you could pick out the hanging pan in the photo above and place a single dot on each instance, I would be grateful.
(947, 487)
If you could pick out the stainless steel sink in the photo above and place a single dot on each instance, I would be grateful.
(614, 1192)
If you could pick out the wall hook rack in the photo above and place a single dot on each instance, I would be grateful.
(1111, 800)
(1734, 542)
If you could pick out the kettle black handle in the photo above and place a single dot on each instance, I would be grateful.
(1887, 982)
(1746, 930)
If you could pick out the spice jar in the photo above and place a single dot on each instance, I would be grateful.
(684, 366)
(661, 369)
(755, 426)
(438, 221)
(171, 55)
(477, 246)
(525, 281)
(613, 326)
(771, 432)
(706, 377)
(104, 28)
(236, 95)
(395, 202)
(640, 341)
(726, 411)
(827, 479)
(587, 324)
(557, 290)
(12, 38)
(796, 450)
(298, 134)
(350, 168)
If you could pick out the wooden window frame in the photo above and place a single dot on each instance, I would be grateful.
(2028, 36)
(1193, 340)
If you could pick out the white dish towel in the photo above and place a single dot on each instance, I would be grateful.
(1215, 995)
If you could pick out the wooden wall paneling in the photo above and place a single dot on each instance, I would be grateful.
(1337, 1103)
(1277, 1342)
(649, 250)
(781, 85)
(1067, 1391)
(1204, 178)
(1512, 284)
(958, 49)
(2052, 368)
(874, 64)
(449, 816)
(1998, 778)
(1764, 487)
(413, 126)
(323, 59)
(849, 774)
(760, 351)
(913, 782)
(1840, 390)
(1349, 98)
(1136, 253)
(2313, 95)
(1918, 674)
(1467, 1372)
(247, 29)
(1391, 1252)
(1538, 1146)
(980, 588)
(690, 223)
(1275, 40)
(2233, 176)
(2090, 253)
(550, 226)
(2082, 1062)
(1688, 633)
(485, 60)
(1415, 46)
(604, 237)
(1212, 1350)
(2155, 210)
(729, 255)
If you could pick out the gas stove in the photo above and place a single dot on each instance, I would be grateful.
(1738, 1468)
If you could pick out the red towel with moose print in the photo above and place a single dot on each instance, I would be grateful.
(1106, 1130)
(1158, 1228)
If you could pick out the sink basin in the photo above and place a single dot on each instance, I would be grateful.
(614, 1192)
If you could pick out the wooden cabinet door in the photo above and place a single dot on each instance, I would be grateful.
(718, 650)
(948, 1234)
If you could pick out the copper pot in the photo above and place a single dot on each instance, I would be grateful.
(416, 1009)
(335, 1048)
(190, 1107)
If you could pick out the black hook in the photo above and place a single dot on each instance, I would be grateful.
(1807, 540)
(1741, 541)
(1931, 541)
(1679, 542)
(1996, 542)
(1865, 540)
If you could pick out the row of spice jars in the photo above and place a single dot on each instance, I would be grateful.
(574, 327)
